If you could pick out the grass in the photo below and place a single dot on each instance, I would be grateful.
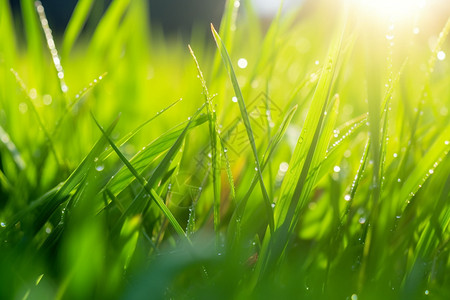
(129, 161)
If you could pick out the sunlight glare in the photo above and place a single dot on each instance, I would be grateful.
(393, 9)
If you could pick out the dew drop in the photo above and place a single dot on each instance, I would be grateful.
(362, 220)
(337, 169)
(2, 224)
(100, 168)
(431, 171)
(242, 63)
(354, 297)
(441, 55)
(47, 99)
(284, 167)
(347, 197)
(427, 292)
(234, 99)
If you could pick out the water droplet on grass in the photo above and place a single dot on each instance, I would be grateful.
(234, 99)
(337, 169)
(347, 197)
(100, 168)
(242, 63)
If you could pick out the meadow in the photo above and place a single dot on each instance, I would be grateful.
(305, 157)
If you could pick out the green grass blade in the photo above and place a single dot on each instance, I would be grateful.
(76, 23)
(434, 156)
(227, 61)
(274, 142)
(144, 182)
(108, 25)
(215, 150)
(143, 158)
(52, 48)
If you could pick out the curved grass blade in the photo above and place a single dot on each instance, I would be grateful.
(108, 25)
(228, 65)
(77, 20)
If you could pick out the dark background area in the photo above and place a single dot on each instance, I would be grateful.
(175, 16)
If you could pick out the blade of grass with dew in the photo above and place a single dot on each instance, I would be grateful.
(337, 149)
(78, 97)
(227, 61)
(52, 48)
(50, 202)
(425, 91)
(241, 205)
(77, 20)
(434, 156)
(132, 133)
(145, 185)
(295, 189)
(158, 173)
(216, 149)
(143, 158)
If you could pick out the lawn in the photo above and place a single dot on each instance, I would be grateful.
(303, 156)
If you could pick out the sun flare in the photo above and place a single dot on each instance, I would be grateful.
(392, 9)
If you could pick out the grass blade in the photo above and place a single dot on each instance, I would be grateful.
(227, 61)
(76, 23)
(215, 150)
